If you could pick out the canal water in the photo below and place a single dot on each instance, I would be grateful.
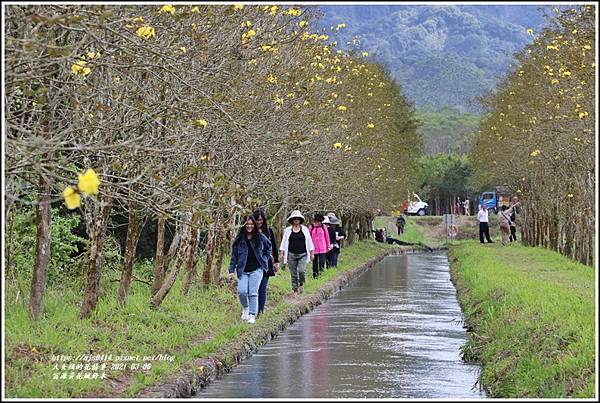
(395, 332)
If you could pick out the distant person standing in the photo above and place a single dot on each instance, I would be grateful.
(504, 221)
(400, 221)
(466, 207)
(457, 206)
(513, 221)
(483, 220)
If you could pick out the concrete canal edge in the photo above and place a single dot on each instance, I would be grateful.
(195, 375)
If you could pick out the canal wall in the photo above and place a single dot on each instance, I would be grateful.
(195, 375)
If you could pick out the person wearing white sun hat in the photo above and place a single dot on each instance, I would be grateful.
(296, 249)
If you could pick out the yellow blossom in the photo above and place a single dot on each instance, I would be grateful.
(167, 9)
(302, 24)
(535, 153)
(530, 31)
(272, 79)
(145, 32)
(365, 54)
(342, 108)
(196, 10)
(200, 123)
(278, 100)
(370, 125)
(92, 55)
(183, 49)
(72, 198)
(337, 145)
(570, 195)
(554, 81)
(566, 74)
(582, 114)
(138, 19)
(79, 68)
(88, 182)
(587, 47)
(238, 7)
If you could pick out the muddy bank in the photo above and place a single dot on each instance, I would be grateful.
(195, 375)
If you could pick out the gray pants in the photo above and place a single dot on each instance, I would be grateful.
(297, 264)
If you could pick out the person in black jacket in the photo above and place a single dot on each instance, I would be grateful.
(338, 236)
(263, 228)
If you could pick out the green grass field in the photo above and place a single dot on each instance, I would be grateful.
(532, 314)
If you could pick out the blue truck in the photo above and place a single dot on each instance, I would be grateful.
(494, 200)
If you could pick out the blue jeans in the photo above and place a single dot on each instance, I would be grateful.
(248, 289)
(262, 293)
(335, 252)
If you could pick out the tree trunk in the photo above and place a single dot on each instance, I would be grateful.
(134, 229)
(42, 255)
(158, 259)
(190, 268)
(97, 236)
(208, 257)
(221, 240)
(160, 295)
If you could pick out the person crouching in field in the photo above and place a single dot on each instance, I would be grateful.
(250, 254)
(296, 249)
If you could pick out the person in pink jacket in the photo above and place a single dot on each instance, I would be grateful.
(320, 238)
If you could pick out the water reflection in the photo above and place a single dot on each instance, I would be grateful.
(394, 333)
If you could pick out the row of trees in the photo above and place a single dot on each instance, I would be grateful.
(538, 137)
(193, 115)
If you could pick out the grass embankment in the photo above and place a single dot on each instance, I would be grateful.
(183, 327)
(531, 313)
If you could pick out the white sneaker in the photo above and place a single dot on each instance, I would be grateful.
(245, 313)
(251, 318)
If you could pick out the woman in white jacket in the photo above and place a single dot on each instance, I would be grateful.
(296, 249)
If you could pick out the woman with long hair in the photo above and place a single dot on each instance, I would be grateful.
(250, 254)
(263, 228)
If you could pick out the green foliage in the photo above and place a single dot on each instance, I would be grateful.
(443, 56)
(66, 245)
(442, 178)
(447, 131)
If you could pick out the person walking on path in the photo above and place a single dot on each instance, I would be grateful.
(320, 239)
(483, 220)
(331, 233)
(263, 228)
(457, 206)
(466, 207)
(504, 222)
(296, 249)
(339, 235)
(250, 254)
(400, 221)
(513, 221)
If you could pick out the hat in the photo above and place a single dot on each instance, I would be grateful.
(333, 220)
(318, 217)
(296, 214)
(330, 215)
(326, 220)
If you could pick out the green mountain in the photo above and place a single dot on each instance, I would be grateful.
(442, 55)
